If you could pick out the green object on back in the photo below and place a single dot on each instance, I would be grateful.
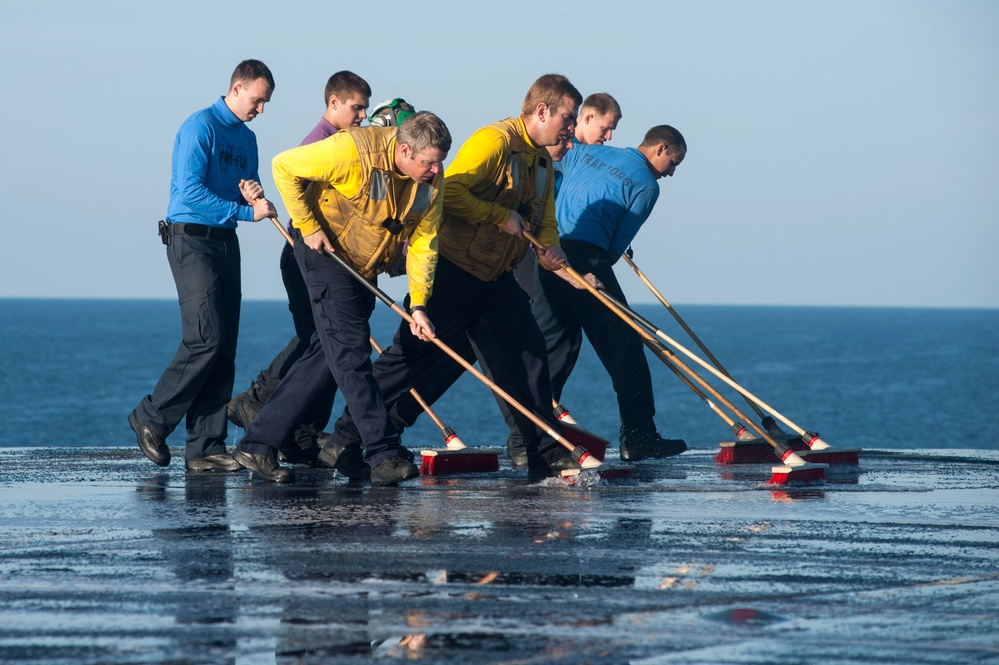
(391, 113)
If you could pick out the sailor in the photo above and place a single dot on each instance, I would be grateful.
(605, 196)
(213, 185)
(362, 193)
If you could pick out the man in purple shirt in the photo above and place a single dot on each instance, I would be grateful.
(346, 96)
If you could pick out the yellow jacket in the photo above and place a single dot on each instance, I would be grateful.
(498, 169)
(347, 186)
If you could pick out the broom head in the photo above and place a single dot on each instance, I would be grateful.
(833, 456)
(446, 461)
(801, 474)
(753, 451)
(577, 436)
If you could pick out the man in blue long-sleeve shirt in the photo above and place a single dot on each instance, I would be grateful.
(605, 196)
(213, 178)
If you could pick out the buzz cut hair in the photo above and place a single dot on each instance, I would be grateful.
(424, 130)
(669, 136)
(249, 71)
(345, 84)
(549, 90)
(602, 103)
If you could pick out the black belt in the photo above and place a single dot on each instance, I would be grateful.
(202, 231)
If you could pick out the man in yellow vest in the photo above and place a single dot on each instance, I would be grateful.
(362, 193)
(500, 185)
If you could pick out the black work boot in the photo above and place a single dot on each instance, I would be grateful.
(217, 463)
(265, 466)
(293, 454)
(152, 445)
(348, 460)
(637, 446)
(516, 449)
(393, 470)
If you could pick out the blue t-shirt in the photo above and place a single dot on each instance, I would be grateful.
(605, 195)
(213, 151)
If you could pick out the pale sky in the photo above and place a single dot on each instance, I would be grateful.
(840, 153)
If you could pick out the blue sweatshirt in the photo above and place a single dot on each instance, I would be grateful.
(213, 151)
(605, 195)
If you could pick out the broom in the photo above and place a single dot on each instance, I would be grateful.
(455, 456)
(595, 444)
(795, 469)
(756, 453)
(818, 450)
(562, 413)
(579, 454)
(781, 475)
(743, 452)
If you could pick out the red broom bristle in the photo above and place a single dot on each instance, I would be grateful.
(451, 461)
(797, 475)
(753, 452)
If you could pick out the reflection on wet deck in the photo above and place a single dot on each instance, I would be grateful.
(106, 559)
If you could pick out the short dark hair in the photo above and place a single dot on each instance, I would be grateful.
(549, 90)
(249, 71)
(424, 130)
(344, 84)
(666, 135)
(603, 103)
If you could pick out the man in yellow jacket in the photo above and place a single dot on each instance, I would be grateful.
(499, 185)
(363, 193)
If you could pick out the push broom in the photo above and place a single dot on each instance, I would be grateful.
(579, 454)
(743, 451)
(455, 456)
(795, 468)
(595, 444)
(771, 426)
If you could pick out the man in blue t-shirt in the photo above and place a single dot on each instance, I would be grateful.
(604, 197)
(214, 176)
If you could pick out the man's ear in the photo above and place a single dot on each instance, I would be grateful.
(542, 111)
(332, 101)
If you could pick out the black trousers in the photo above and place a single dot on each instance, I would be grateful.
(493, 321)
(565, 313)
(197, 383)
(339, 356)
(300, 306)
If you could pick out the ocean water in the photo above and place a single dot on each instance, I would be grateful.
(874, 378)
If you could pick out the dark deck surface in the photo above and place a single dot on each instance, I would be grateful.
(105, 558)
